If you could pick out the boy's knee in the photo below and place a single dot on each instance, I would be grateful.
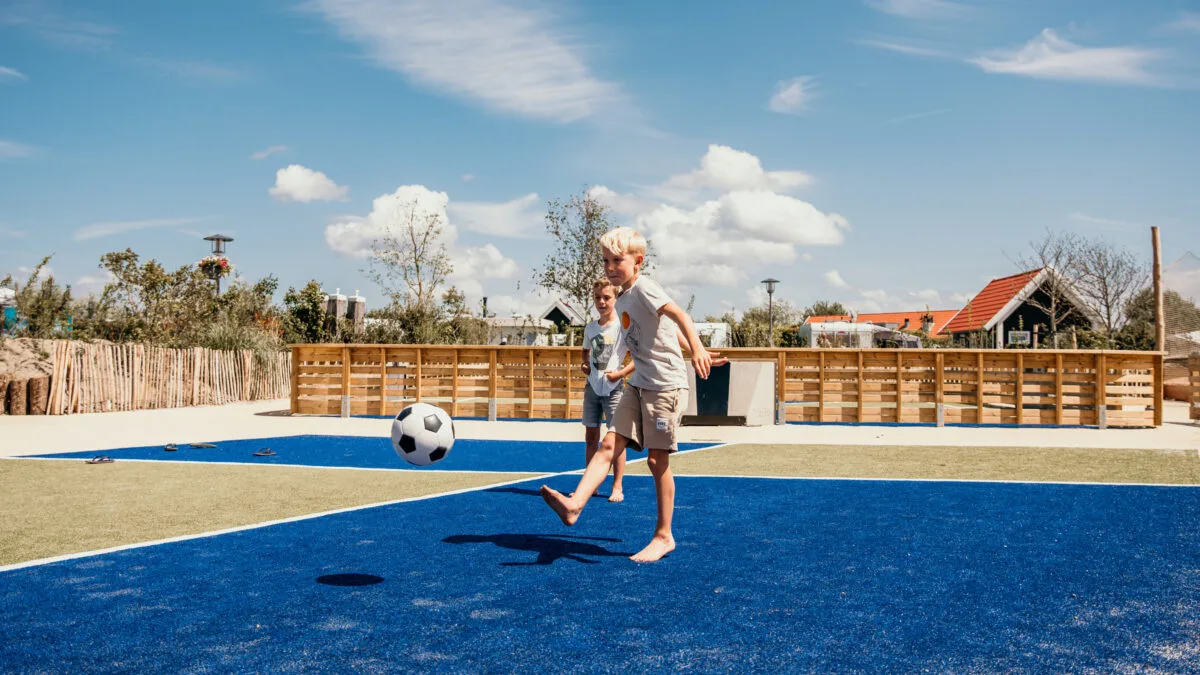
(658, 462)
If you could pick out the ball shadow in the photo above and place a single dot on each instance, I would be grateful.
(349, 580)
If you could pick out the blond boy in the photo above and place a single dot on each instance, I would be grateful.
(603, 352)
(650, 409)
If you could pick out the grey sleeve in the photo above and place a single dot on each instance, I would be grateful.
(653, 295)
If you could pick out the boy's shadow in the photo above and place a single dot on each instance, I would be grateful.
(549, 547)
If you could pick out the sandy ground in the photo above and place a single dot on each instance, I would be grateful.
(24, 358)
(100, 431)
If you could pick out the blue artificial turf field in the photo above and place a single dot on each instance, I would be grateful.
(770, 575)
(373, 453)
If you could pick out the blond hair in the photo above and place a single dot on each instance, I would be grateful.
(622, 240)
(601, 284)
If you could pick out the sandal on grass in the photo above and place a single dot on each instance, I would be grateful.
(265, 452)
(100, 459)
(202, 445)
(170, 447)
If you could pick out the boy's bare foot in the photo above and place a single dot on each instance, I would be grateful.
(561, 505)
(658, 547)
(616, 496)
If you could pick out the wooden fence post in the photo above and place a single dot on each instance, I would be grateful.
(294, 387)
(821, 386)
(346, 381)
(530, 411)
(493, 375)
(940, 389)
(1020, 388)
(1058, 388)
(1101, 391)
(781, 388)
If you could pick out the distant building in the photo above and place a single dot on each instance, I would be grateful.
(904, 321)
(564, 315)
(517, 330)
(1007, 310)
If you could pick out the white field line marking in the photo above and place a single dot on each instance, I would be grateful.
(932, 480)
(253, 463)
(254, 526)
(646, 455)
(242, 528)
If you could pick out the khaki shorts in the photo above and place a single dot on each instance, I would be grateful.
(649, 419)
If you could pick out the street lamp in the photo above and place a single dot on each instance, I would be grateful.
(770, 309)
(218, 250)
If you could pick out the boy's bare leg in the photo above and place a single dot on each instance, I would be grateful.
(568, 508)
(591, 439)
(618, 465)
(664, 490)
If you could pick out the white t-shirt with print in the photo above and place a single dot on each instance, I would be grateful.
(605, 352)
(651, 340)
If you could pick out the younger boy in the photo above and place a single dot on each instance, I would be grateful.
(603, 351)
(649, 411)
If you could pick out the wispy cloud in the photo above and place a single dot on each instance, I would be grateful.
(15, 150)
(43, 19)
(509, 58)
(267, 152)
(1186, 21)
(11, 75)
(1051, 57)
(519, 218)
(917, 116)
(192, 71)
(1106, 223)
(107, 229)
(792, 96)
(919, 9)
(911, 50)
(12, 234)
(834, 278)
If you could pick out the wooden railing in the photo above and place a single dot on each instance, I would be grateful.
(1194, 380)
(101, 377)
(1008, 387)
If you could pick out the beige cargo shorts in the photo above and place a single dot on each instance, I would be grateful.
(650, 419)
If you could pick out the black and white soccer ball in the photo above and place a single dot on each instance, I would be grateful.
(422, 434)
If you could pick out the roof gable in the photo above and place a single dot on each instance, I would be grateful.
(996, 296)
(940, 318)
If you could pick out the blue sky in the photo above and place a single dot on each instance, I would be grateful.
(885, 153)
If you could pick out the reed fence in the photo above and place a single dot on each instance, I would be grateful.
(1003, 387)
(107, 377)
(1194, 380)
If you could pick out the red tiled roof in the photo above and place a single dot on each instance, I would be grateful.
(940, 318)
(989, 301)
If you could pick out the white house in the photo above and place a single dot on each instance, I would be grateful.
(518, 330)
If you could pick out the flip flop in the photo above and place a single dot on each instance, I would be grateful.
(265, 452)
(101, 459)
(170, 447)
(202, 445)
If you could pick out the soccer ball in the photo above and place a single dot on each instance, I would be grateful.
(422, 434)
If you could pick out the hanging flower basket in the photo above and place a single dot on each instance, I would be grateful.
(215, 266)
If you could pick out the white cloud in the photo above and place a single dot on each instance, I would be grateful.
(723, 169)
(834, 278)
(92, 283)
(23, 272)
(300, 184)
(10, 75)
(14, 150)
(353, 236)
(772, 217)
(806, 257)
(911, 50)
(509, 58)
(520, 217)
(1105, 223)
(1187, 21)
(622, 204)
(484, 262)
(918, 9)
(960, 299)
(107, 229)
(45, 22)
(928, 296)
(1051, 57)
(792, 96)
(468, 177)
(12, 234)
(267, 152)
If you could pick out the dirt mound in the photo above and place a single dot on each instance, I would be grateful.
(23, 358)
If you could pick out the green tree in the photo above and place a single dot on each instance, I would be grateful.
(42, 305)
(410, 263)
(304, 314)
(577, 260)
(824, 308)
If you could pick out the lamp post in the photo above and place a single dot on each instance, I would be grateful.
(770, 309)
(218, 249)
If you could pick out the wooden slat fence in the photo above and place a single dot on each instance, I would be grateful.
(950, 386)
(1194, 380)
(106, 377)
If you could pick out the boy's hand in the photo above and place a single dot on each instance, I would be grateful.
(717, 360)
(702, 362)
(612, 375)
(587, 370)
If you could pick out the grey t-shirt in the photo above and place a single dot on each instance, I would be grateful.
(605, 352)
(651, 340)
